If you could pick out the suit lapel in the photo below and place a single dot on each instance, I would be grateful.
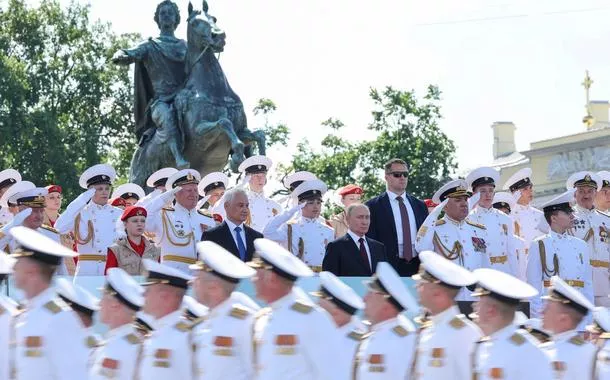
(231, 246)
(374, 257)
(249, 244)
(356, 246)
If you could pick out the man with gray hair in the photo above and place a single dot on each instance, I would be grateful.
(233, 234)
(354, 254)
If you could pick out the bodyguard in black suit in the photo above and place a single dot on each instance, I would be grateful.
(354, 254)
(395, 218)
(233, 235)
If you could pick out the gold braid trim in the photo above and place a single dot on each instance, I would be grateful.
(545, 269)
(589, 234)
(290, 238)
(90, 233)
(301, 249)
(453, 254)
(167, 225)
(517, 229)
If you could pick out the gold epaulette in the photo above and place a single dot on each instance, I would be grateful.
(197, 321)
(169, 209)
(400, 331)
(478, 225)
(183, 326)
(54, 306)
(605, 335)
(92, 342)
(205, 213)
(576, 340)
(239, 312)
(301, 307)
(440, 222)
(49, 228)
(517, 339)
(457, 323)
(133, 339)
(356, 335)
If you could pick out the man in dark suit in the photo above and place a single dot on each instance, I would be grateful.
(233, 235)
(354, 254)
(395, 218)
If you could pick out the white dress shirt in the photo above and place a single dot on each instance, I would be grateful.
(356, 240)
(398, 221)
(242, 233)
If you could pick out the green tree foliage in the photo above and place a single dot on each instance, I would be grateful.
(63, 108)
(276, 133)
(406, 128)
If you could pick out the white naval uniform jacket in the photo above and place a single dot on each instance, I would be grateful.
(294, 340)
(593, 227)
(178, 230)
(224, 343)
(464, 242)
(510, 354)
(168, 353)
(306, 238)
(8, 313)
(571, 356)
(48, 231)
(350, 336)
(572, 257)
(262, 210)
(602, 358)
(5, 216)
(445, 347)
(95, 229)
(118, 357)
(51, 341)
(529, 223)
(501, 243)
(387, 351)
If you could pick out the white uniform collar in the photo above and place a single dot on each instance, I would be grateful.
(41, 299)
(287, 299)
(582, 209)
(387, 323)
(350, 326)
(453, 221)
(309, 220)
(482, 210)
(179, 207)
(256, 193)
(564, 336)
(120, 331)
(558, 235)
(222, 308)
(169, 319)
(445, 316)
(521, 207)
(505, 332)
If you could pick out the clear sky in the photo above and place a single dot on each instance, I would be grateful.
(516, 60)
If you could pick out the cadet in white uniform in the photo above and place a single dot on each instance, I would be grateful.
(593, 227)
(8, 178)
(291, 182)
(157, 181)
(388, 351)
(558, 254)
(262, 209)
(93, 220)
(224, 338)
(502, 247)
(528, 221)
(305, 236)
(342, 303)
(504, 202)
(602, 199)
(565, 308)
(85, 305)
(446, 342)
(168, 352)
(130, 192)
(122, 298)
(179, 228)
(454, 236)
(506, 352)
(293, 338)
(50, 338)
(601, 369)
(8, 313)
(211, 188)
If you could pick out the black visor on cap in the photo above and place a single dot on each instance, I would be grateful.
(340, 304)
(38, 256)
(502, 205)
(279, 271)
(499, 297)
(160, 182)
(119, 296)
(483, 181)
(520, 184)
(557, 296)
(256, 169)
(162, 278)
(377, 284)
(99, 180)
(295, 184)
(558, 207)
(604, 183)
(130, 195)
(212, 186)
(141, 325)
(310, 194)
(7, 182)
(454, 192)
(185, 180)
(77, 307)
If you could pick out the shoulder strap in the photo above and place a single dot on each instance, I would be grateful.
(289, 225)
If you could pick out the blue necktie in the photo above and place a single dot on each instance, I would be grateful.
(240, 244)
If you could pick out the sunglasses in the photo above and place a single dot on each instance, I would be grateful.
(399, 174)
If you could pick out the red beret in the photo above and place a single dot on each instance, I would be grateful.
(133, 211)
(54, 189)
(350, 189)
(429, 203)
(118, 202)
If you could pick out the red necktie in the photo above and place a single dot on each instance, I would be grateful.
(363, 254)
(407, 252)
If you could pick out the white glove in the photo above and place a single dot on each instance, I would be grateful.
(169, 194)
(297, 208)
(17, 220)
(472, 201)
(85, 197)
(144, 201)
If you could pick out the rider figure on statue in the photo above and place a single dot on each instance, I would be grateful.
(159, 75)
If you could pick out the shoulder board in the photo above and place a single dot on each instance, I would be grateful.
(183, 326)
(133, 339)
(54, 306)
(457, 323)
(92, 342)
(576, 340)
(168, 209)
(400, 331)
(605, 335)
(356, 335)
(302, 307)
(440, 222)
(205, 213)
(197, 321)
(478, 225)
(49, 228)
(239, 312)
(517, 339)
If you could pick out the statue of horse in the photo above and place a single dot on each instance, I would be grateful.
(209, 113)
